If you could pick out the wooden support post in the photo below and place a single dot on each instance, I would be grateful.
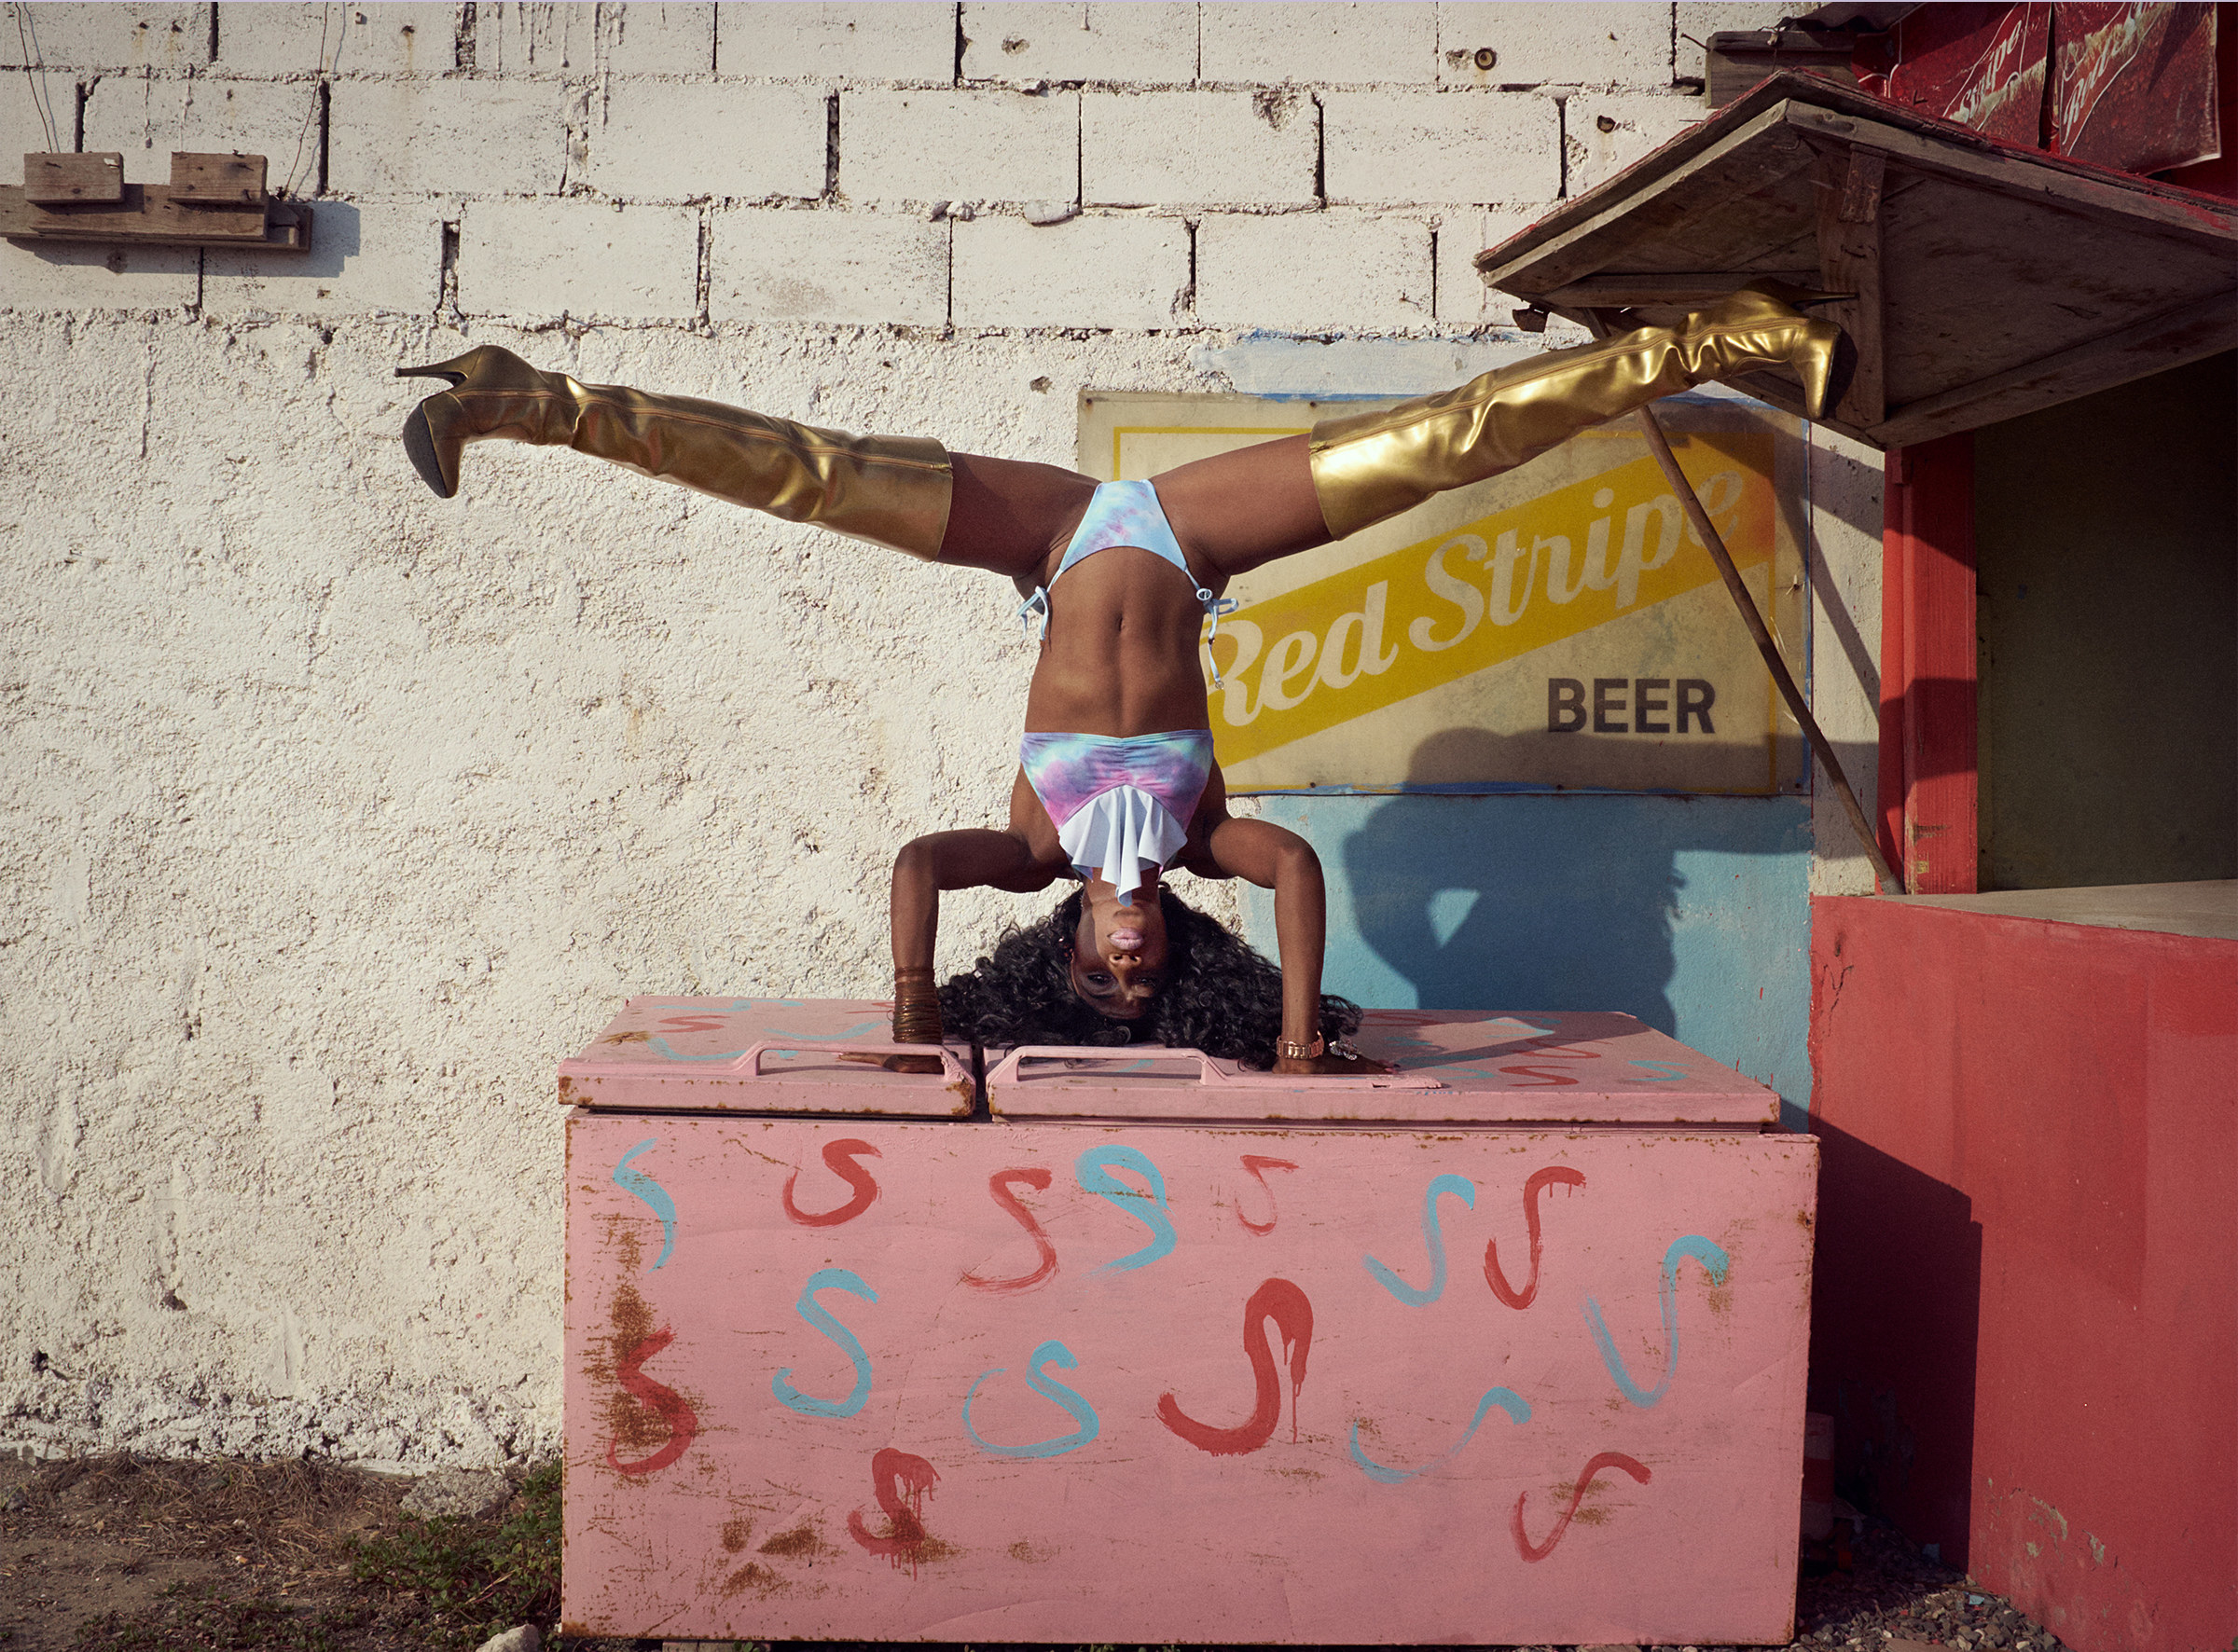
(1660, 446)
(1849, 261)
(1929, 784)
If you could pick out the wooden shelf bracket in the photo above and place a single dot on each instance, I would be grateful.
(212, 200)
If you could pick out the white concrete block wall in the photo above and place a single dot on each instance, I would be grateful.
(857, 268)
(375, 257)
(371, 37)
(457, 137)
(1384, 147)
(146, 117)
(589, 260)
(1310, 272)
(1463, 299)
(1189, 148)
(1573, 45)
(1118, 271)
(649, 138)
(341, 814)
(27, 103)
(513, 39)
(658, 39)
(959, 145)
(1319, 42)
(121, 36)
(94, 279)
(907, 40)
(1102, 40)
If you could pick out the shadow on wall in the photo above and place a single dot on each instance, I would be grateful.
(1896, 1315)
(1561, 901)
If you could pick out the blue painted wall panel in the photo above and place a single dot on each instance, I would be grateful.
(1690, 912)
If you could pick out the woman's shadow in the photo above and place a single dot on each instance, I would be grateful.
(1540, 901)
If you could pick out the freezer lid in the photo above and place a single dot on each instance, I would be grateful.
(1458, 1066)
(761, 1055)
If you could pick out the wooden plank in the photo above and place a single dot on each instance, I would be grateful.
(218, 180)
(1859, 201)
(1736, 58)
(1728, 75)
(1978, 282)
(2196, 218)
(1849, 261)
(287, 226)
(2188, 333)
(1687, 290)
(147, 216)
(1760, 155)
(1519, 255)
(63, 180)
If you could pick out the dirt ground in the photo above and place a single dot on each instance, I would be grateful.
(107, 1535)
(116, 1552)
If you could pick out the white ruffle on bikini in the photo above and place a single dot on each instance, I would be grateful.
(1122, 834)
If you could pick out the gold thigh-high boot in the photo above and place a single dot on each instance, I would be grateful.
(892, 490)
(1375, 465)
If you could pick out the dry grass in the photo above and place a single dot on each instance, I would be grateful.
(299, 1515)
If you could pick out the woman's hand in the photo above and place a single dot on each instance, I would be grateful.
(926, 866)
(907, 1064)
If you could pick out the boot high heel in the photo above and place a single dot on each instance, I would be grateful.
(1815, 350)
(503, 389)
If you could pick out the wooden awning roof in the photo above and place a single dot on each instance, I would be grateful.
(1990, 280)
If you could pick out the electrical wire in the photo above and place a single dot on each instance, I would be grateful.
(34, 80)
(296, 164)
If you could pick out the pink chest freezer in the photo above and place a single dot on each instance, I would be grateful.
(1134, 1346)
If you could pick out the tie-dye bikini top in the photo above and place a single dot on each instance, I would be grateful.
(1121, 805)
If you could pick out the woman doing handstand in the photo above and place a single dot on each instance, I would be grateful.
(1116, 778)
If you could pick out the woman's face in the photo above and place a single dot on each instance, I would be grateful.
(1119, 952)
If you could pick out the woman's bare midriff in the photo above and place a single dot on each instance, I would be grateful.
(1121, 656)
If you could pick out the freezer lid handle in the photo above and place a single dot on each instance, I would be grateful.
(951, 1070)
(1006, 1070)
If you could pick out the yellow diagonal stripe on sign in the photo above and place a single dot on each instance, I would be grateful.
(1464, 601)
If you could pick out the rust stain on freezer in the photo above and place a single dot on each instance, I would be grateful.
(803, 1542)
(755, 1576)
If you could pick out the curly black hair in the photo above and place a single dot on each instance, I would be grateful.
(1220, 997)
